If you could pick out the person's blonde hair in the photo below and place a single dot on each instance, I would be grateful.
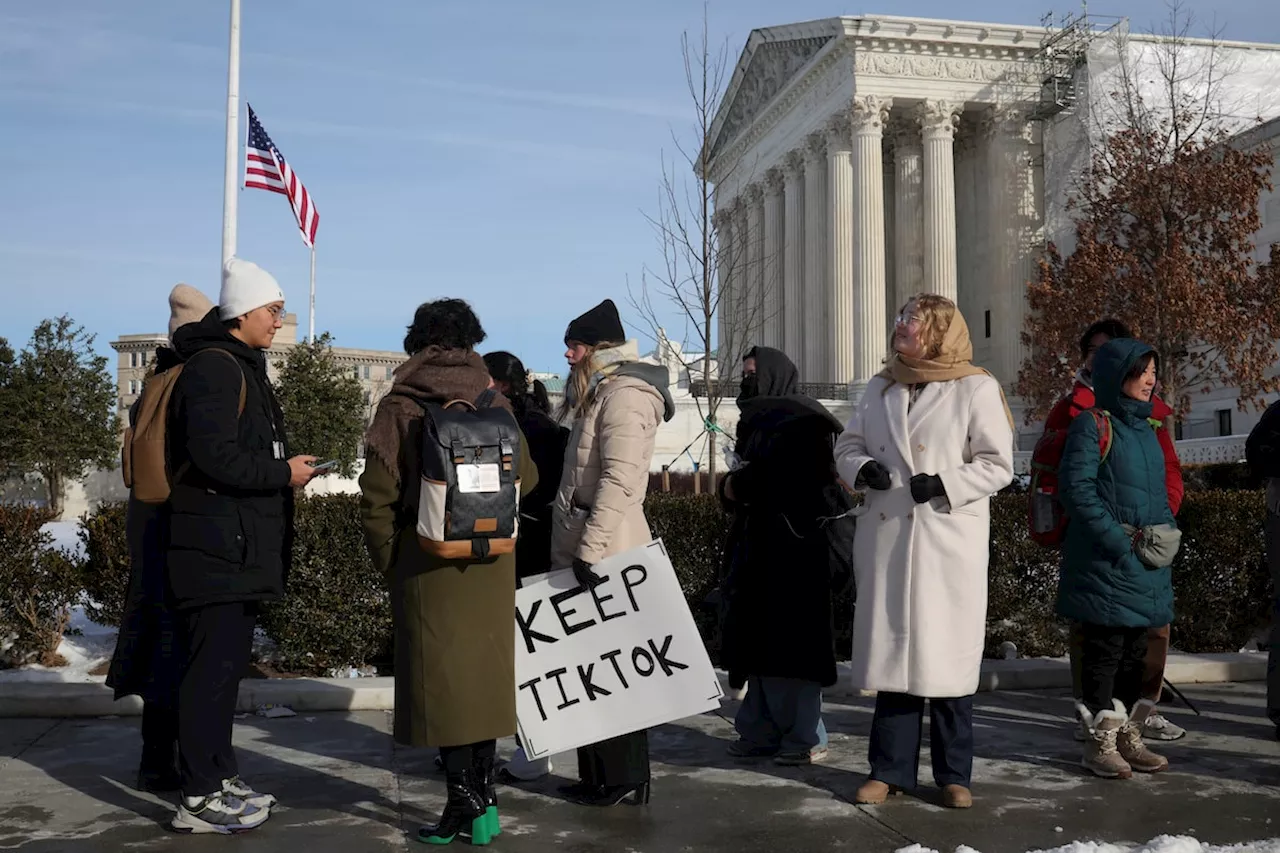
(936, 313)
(577, 388)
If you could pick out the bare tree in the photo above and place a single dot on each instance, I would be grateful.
(705, 276)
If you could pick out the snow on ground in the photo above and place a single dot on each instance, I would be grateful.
(1162, 844)
(65, 536)
(84, 652)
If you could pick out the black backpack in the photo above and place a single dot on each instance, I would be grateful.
(469, 506)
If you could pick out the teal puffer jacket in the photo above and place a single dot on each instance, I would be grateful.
(1102, 580)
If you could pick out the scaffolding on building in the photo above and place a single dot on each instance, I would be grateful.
(1062, 56)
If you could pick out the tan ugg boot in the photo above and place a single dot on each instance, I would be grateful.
(873, 792)
(1101, 756)
(1129, 741)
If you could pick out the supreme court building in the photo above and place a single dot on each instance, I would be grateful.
(859, 160)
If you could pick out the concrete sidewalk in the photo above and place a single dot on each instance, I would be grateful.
(66, 787)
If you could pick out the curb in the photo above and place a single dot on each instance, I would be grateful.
(308, 695)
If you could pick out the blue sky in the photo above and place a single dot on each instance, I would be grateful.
(501, 151)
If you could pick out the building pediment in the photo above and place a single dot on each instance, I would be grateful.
(767, 70)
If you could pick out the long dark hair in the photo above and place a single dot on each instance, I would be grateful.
(505, 367)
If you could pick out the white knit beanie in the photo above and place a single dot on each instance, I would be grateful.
(246, 286)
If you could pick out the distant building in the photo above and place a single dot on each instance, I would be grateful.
(372, 368)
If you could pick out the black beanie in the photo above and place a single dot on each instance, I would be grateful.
(599, 325)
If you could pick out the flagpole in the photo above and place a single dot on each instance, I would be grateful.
(311, 331)
(231, 169)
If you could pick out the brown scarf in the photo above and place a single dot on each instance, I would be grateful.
(434, 375)
(954, 361)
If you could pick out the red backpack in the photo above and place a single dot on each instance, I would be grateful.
(1046, 519)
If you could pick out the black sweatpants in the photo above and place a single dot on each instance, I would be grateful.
(1112, 664)
(622, 760)
(216, 642)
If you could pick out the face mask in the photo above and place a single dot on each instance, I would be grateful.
(750, 387)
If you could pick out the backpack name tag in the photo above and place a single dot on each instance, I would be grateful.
(479, 479)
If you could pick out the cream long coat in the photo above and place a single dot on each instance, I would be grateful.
(606, 474)
(921, 569)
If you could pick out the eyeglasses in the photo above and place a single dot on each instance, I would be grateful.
(906, 320)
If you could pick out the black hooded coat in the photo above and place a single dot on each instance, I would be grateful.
(791, 545)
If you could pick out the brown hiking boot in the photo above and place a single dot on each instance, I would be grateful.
(1101, 756)
(873, 792)
(1129, 741)
(957, 797)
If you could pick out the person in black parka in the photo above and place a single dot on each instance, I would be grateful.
(146, 662)
(230, 532)
(789, 548)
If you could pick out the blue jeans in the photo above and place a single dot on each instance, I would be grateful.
(898, 729)
(783, 714)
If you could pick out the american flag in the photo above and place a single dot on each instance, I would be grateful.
(265, 169)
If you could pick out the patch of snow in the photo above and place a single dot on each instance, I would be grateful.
(86, 645)
(1161, 844)
(65, 536)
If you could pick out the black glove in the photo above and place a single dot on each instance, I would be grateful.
(875, 476)
(926, 487)
(583, 574)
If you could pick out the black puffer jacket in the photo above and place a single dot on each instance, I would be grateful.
(231, 523)
(547, 442)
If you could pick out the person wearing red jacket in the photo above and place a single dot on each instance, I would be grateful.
(1081, 398)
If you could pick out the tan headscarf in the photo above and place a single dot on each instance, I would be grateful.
(954, 361)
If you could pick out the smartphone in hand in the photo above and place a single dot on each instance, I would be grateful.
(327, 465)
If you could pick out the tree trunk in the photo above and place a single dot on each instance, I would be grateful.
(54, 484)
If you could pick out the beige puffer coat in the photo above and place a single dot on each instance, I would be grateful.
(599, 510)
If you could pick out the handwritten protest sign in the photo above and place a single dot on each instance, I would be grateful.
(592, 664)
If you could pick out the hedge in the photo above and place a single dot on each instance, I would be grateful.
(38, 586)
(337, 614)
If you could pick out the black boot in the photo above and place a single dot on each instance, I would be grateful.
(488, 793)
(464, 814)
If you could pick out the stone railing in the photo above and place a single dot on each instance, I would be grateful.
(1191, 451)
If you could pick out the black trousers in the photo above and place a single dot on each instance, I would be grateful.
(621, 760)
(159, 735)
(1113, 662)
(216, 642)
(897, 731)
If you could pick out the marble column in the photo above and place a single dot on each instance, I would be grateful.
(814, 368)
(722, 222)
(908, 226)
(774, 305)
(890, 212)
(868, 117)
(793, 259)
(754, 301)
(938, 120)
(738, 291)
(968, 285)
(1013, 221)
(839, 302)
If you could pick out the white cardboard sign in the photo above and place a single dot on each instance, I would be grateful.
(595, 664)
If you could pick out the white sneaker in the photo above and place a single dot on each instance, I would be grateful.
(238, 789)
(217, 814)
(1158, 727)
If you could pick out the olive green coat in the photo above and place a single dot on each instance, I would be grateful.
(454, 622)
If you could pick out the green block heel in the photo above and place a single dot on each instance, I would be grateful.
(495, 824)
(481, 834)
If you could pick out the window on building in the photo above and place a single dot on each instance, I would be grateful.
(391, 373)
(986, 322)
(133, 359)
(142, 359)
(1177, 430)
(365, 371)
(355, 372)
(1224, 421)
